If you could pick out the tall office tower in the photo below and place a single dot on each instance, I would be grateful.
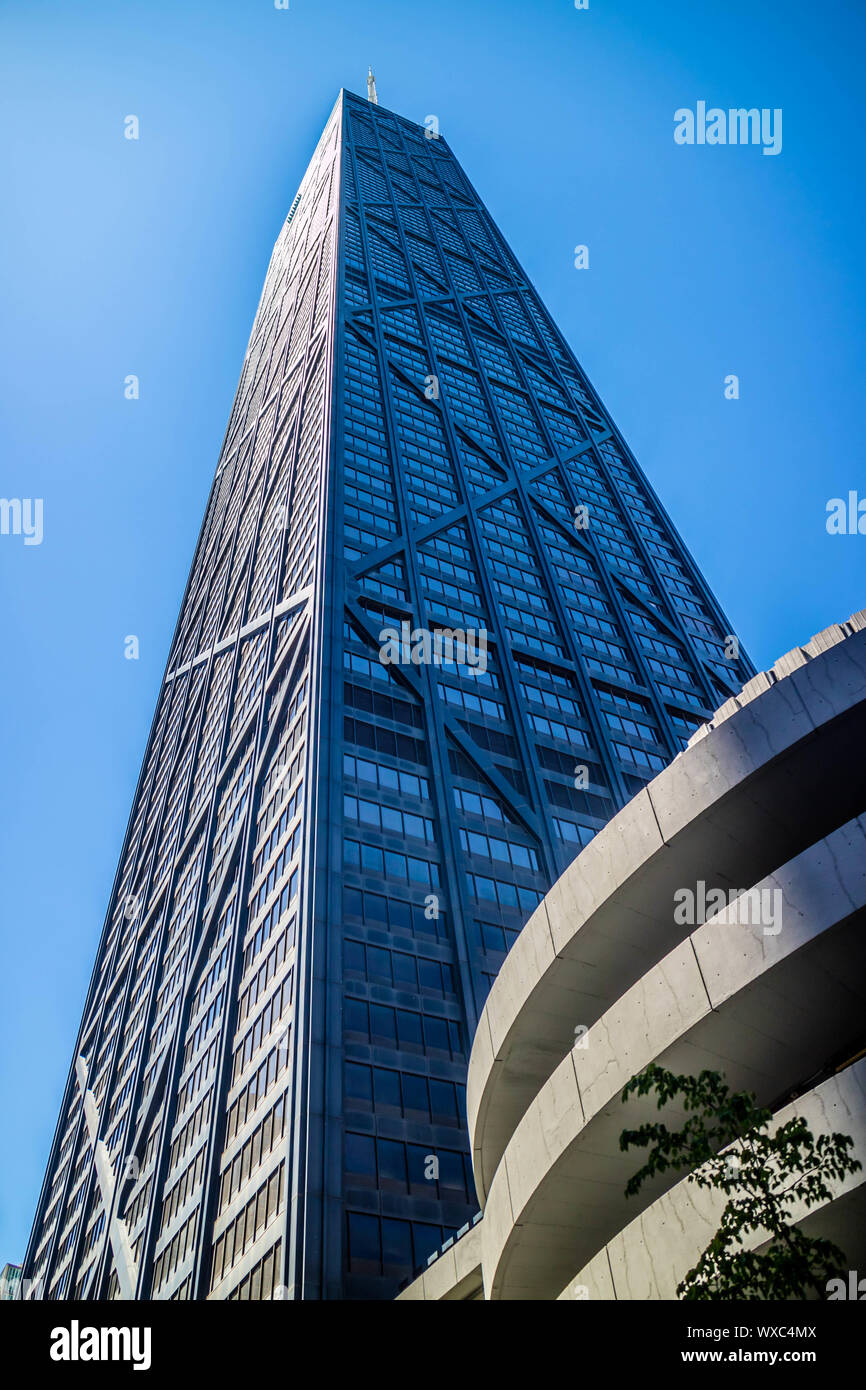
(329, 854)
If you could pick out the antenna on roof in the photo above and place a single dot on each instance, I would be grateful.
(371, 87)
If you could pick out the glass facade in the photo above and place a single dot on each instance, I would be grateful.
(332, 845)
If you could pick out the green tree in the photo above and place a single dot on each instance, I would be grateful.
(764, 1176)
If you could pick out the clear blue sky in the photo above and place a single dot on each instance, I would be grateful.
(120, 257)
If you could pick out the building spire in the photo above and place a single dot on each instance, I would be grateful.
(371, 87)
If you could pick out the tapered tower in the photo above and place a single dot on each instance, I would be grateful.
(437, 630)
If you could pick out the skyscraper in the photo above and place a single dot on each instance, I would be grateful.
(437, 630)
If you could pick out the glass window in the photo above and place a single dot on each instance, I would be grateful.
(392, 1161)
(379, 963)
(375, 908)
(429, 974)
(382, 1024)
(404, 969)
(418, 1156)
(396, 1245)
(419, 871)
(423, 923)
(359, 1083)
(442, 1100)
(436, 1033)
(371, 859)
(451, 1170)
(352, 903)
(353, 956)
(409, 1029)
(361, 1156)
(387, 1087)
(351, 853)
(400, 913)
(461, 1101)
(425, 1239)
(415, 1094)
(364, 1243)
(355, 1015)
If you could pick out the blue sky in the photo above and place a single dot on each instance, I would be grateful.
(147, 257)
